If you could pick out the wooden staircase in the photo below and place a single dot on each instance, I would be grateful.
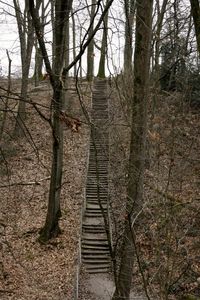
(94, 244)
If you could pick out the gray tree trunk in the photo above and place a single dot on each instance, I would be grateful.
(38, 65)
(129, 7)
(4, 116)
(53, 32)
(38, 55)
(90, 49)
(137, 147)
(161, 14)
(74, 42)
(102, 62)
(26, 36)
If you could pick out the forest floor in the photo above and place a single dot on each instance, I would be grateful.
(168, 240)
(28, 269)
(168, 237)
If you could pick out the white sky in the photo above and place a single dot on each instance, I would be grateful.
(9, 39)
(9, 36)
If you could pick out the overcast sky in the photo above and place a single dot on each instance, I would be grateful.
(9, 39)
(9, 36)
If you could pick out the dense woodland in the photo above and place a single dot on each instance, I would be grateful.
(149, 53)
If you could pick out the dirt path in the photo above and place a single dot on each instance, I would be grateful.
(101, 287)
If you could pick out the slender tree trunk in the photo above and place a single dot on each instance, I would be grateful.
(102, 62)
(155, 61)
(157, 37)
(80, 61)
(137, 146)
(74, 42)
(67, 46)
(26, 36)
(38, 65)
(53, 32)
(90, 49)
(38, 55)
(51, 227)
(129, 7)
(4, 117)
(67, 101)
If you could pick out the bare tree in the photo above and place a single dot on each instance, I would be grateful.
(137, 147)
(26, 37)
(62, 9)
(90, 50)
(56, 73)
(101, 71)
(38, 54)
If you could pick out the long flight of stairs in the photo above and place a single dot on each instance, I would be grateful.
(94, 244)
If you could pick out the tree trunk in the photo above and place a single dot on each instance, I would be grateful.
(137, 147)
(129, 7)
(38, 55)
(157, 39)
(51, 227)
(67, 101)
(62, 9)
(53, 32)
(74, 42)
(90, 50)
(4, 116)
(38, 65)
(102, 62)
(195, 8)
(67, 46)
(26, 36)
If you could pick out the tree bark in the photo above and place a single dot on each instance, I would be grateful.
(38, 65)
(137, 146)
(129, 7)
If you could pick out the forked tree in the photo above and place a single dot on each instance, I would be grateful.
(134, 201)
(61, 12)
(38, 55)
(62, 9)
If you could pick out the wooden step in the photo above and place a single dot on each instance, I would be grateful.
(94, 244)
(95, 252)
